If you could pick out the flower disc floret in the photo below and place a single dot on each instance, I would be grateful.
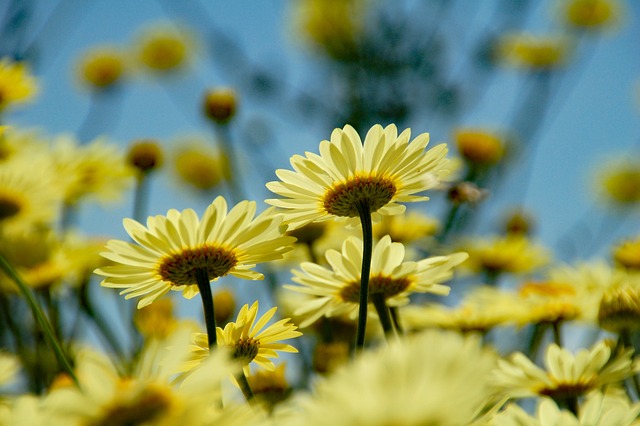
(343, 199)
(180, 268)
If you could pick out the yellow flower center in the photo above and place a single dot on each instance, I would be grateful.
(246, 350)
(148, 406)
(378, 284)
(342, 199)
(9, 207)
(180, 268)
(565, 391)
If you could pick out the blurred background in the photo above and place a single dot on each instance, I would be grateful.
(538, 101)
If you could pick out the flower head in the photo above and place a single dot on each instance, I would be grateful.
(337, 289)
(619, 182)
(627, 254)
(249, 340)
(200, 165)
(566, 375)
(591, 15)
(16, 84)
(480, 147)
(384, 171)
(514, 254)
(535, 53)
(164, 49)
(170, 249)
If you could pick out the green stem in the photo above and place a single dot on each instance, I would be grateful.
(244, 386)
(367, 249)
(383, 313)
(395, 317)
(625, 339)
(42, 320)
(204, 286)
(141, 197)
(557, 335)
(536, 339)
(222, 134)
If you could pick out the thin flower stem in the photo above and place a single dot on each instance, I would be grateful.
(367, 248)
(204, 286)
(625, 339)
(40, 318)
(395, 317)
(557, 334)
(244, 386)
(222, 134)
(383, 313)
(141, 197)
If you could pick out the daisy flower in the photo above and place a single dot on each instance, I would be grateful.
(249, 340)
(168, 253)
(567, 376)
(17, 85)
(384, 171)
(337, 288)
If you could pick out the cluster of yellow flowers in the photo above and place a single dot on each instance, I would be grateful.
(384, 315)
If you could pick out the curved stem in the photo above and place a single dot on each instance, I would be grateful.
(204, 286)
(40, 317)
(367, 249)
(383, 313)
(244, 386)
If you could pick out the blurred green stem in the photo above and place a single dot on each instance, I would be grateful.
(40, 317)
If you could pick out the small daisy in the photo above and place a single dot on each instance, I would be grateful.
(384, 171)
(170, 250)
(17, 85)
(248, 340)
(337, 289)
(567, 376)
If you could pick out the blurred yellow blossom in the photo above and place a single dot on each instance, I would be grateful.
(513, 254)
(164, 48)
(620, 182)
(535, 53)
(102, 67)
(591, 15)
(480, 147)
(17, 85)
(219, 104)
(627, 254)
(199, 164)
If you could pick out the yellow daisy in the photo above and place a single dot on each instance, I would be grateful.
(16, 84)
(591, 15)
(567, 376)
(170, 250)
(349, 175)
(433, 378)
(337, 289)
(249, 340)
(29, 194)
(149, 396)
(598, 409)
(627, 254)
(96, 169)
(534, 53)
(102, 67)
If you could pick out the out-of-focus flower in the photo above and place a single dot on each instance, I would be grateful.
(17, 85)
(270, 387)
(219, 105)
(620, 306)
(385, 171)
(480, 147)
(333, 26)
(200, 165)
(25, 410)
(145, 155)
(172, 248)
(148, 396)
(601, 409)
(102, 68)
(30, 195)
(534, 53)
(590, 15)
(518, 222)
(27, 143)
(330, 355)
(156, 321)
(164, 49)
(433, 378)
(511, 254)
(249, 340)
(481, 311)
(94, 170)
(548, 302)
(337, 289)
(408, 228)
(566, 375)
(225, 303)
(627, 254)
(620, 182)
